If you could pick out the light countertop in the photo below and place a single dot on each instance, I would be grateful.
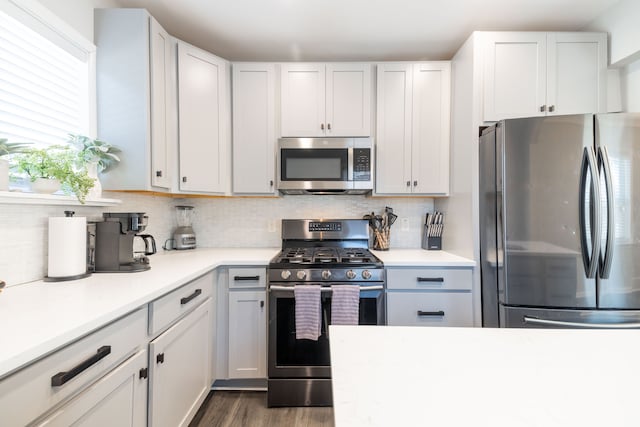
(384, 375)
(40, 317)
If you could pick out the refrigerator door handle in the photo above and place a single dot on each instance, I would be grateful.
(605, 262)
(589, 167)
(548, 322)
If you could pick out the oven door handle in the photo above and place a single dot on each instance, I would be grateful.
(325, 288)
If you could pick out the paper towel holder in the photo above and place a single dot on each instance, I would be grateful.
(68, 214)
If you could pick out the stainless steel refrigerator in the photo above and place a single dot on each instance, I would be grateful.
(560, 222)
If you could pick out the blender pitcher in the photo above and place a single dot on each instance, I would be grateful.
(183, 236)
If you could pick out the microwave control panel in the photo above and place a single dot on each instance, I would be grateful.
(362, 164)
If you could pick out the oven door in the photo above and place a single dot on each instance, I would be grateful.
(293, 358)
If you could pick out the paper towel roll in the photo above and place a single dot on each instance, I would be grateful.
(67, 247)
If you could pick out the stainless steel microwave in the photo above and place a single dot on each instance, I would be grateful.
(325, 165)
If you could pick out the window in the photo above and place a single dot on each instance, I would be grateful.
(45, 87)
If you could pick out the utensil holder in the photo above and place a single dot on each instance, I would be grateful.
(381, 239)
(430, 242)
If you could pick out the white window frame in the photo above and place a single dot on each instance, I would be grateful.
(38, 18)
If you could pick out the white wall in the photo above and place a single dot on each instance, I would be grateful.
(622, 22)
(78, 13)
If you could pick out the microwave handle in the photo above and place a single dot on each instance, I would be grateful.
(350, 164)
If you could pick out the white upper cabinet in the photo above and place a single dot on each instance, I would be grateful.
(325, 100)
(133, 67)
(254, 128)
(413, 116)
(530, 74)
(203, 104)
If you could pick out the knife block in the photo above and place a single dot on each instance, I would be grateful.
(431, 243)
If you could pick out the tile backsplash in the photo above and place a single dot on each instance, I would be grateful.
(220, 222)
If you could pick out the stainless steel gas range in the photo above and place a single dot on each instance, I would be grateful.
(323, 252)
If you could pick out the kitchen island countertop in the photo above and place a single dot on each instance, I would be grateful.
(484, 376)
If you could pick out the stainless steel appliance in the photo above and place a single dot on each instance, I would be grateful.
(325, 253)
(559, 203)
(184, 237)
(114, 239)
(325, 165)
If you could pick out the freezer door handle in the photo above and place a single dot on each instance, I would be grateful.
(604, 165)
(561, 323)
(589, 168)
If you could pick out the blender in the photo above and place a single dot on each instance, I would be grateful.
(183, 236)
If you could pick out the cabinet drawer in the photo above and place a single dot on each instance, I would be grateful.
(429, 278)
(29, 393)
(247, 277)
(429, 309)
(166, 310)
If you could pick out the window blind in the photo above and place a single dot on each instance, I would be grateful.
(43, 88)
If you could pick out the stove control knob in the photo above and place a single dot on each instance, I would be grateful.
(301, 274)
(285, 274)
(351, 274)
(366, 274)
(326, 274)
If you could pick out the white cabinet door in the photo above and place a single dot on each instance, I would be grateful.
(117, 399)
(179, 365)
(515, 75)
(430, 137)
(348, 100)
(254, 134)
(160, 52)
(202, 137)
(247, 334)
(393, 145)
(302, 100)
(576, 73)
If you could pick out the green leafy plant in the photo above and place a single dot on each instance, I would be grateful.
(7, 147)
(55, 162)
(94, 150)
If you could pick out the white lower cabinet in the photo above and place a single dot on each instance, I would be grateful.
(179, 365)
(117, 399)
(429, 297)
(247, 354)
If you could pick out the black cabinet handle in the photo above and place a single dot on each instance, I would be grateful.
(430, 313)
(430, 279)
(144, 373)
(184, 179)
(160, 358)
(62, 377)
(245, 278)
(186, 300)
(159, 174)
(261, 304)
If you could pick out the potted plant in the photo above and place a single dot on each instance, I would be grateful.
(96, 156)
(7, 148)
(52, 168)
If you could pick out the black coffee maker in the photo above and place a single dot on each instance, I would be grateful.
(114, 243)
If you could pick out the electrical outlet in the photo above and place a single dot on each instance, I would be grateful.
(404, 224)
(272, 226)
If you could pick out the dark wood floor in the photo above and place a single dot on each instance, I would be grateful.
(249, 408)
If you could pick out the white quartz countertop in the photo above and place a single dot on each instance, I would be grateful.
(39, 317)
(384, 375)
(422, 258)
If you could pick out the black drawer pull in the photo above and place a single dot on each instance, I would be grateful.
(430, 313)
(195, 293)
(241, 278)
(62, 377)
(431, 279)
(160, 358)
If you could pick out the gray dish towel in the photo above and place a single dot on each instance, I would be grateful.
(345, 304)
(307, 312)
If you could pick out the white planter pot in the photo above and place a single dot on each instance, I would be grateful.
(96, 191)
(4, 175)
(45, 186)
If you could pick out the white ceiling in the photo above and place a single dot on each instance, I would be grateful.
(357, 30)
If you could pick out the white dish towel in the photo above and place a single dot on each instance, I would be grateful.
(307, 312)
(345, 304)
